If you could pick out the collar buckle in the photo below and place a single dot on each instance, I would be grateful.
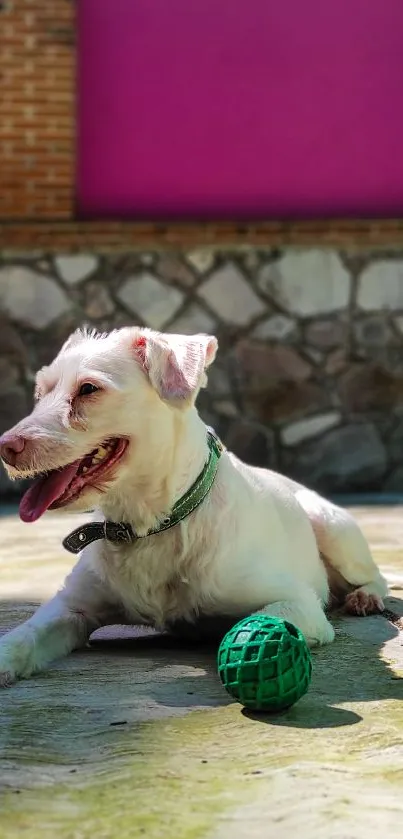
(118, 532)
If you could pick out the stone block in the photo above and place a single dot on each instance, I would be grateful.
(369, 387)
(275, 328)
(260, 365)
(307, 283)
(192, 320)
(14, 406)
(373, 331)
(350, 458)
(30, 298)
(172, 268)
(98, 302)
(218, 379)
(336, 362)
(285, 401)
(380, 286)
(9, 375)
(230, 296)
(12, 347)
(250, 443)
(394, 442)
(74, 268)
(202, 260)
(309, 427)
(326, 334)
(146, 296)
(394, 481)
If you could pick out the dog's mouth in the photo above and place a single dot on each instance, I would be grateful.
(59, 487)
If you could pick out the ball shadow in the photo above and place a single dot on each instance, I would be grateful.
(313, 717)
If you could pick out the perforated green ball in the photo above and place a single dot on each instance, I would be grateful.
(265, 663)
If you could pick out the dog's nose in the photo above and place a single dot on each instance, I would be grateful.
(10, 448)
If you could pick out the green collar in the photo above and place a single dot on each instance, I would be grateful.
(122, 532)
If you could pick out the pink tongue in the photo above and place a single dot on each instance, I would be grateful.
(44, 491)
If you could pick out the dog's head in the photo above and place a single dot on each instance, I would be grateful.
(98, 408)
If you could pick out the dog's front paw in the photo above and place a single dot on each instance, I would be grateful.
(6, 679)
(8, 673)
(16, 657)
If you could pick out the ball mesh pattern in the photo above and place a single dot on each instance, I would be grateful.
(264, 663)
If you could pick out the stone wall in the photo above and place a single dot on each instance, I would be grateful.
(309, 377)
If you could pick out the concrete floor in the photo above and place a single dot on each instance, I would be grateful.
(136, 737)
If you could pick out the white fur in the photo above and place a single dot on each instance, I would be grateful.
(254, 545)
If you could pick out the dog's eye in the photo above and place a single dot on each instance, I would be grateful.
(87, 388)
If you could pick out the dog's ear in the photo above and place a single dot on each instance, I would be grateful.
(175, 364)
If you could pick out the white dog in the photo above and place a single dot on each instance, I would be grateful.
(187, 530)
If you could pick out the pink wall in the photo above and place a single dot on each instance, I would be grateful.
(235, 108)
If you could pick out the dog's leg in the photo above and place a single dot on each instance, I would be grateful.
(306, 612)
(53, 631)
(340, 540)
(58, 627)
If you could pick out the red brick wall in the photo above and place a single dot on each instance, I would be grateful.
(37, 151)
(37, 109)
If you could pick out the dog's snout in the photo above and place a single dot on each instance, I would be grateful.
(11, 448)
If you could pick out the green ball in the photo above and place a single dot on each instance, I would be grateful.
(265, 663)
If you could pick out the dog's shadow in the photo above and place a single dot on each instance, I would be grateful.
(348, 671)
